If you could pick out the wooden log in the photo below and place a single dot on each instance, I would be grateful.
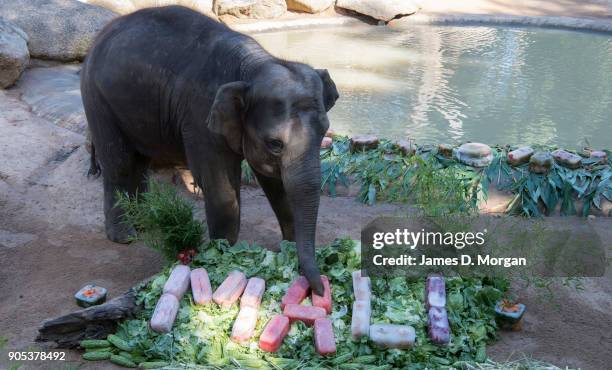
(94, 322)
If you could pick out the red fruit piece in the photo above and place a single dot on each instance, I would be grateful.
(325, 342)
(297, 292)
(307, 314)
(324, 301)
(274, 333)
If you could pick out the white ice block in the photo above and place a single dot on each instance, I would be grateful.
(392, 336)
(361, 286)
(360, 322)
(253, 293)
(165, 313)
(244, 326)
(178, 281)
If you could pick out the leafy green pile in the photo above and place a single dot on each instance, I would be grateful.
(201, 333)
(541, 194)
(438, 184)
(162, 219)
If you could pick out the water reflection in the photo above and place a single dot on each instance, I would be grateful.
(452, 84)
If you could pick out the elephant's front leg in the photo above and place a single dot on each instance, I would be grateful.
(222, 197)
(275, 192)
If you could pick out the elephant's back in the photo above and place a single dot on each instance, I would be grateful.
(136, 69)
(156, 40)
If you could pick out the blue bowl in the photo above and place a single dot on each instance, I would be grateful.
(508, 319)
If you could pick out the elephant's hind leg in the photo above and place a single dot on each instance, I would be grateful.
(128, 176)
(123, 168)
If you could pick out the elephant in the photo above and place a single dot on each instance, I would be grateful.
(173, 85)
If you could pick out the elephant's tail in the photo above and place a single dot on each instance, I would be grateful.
(94, 167)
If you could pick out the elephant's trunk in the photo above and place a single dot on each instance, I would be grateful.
(302, 182)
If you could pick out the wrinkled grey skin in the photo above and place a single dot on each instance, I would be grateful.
(170, 84)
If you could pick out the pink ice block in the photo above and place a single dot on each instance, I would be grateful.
(244, 326)
(165, 313)
(435, 292)
(200, 286)
(438, 327)
(307, 314)
(325, 342)
(297, 292)
(230, 290)
(253, 293)
(274, 333)
(324, 301)
(178, 281)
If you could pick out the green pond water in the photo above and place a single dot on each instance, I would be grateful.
(448, 84)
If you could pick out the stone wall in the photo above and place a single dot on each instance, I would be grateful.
(383, 10)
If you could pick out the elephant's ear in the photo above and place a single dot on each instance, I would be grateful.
(227, 113)
(330, 93)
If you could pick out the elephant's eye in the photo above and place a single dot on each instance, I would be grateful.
(275, 145)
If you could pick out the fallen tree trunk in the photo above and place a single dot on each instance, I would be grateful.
(94, 322)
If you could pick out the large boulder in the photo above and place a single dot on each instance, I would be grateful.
(384, 10)
(14, 55)
(309, 6)
(128, 6)
(55, 95)
(57, 29)
(258, 9)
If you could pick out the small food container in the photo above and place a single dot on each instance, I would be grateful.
(90, 295)
(509, 316)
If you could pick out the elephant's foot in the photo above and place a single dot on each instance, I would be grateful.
(94, 172)
(120, 233)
